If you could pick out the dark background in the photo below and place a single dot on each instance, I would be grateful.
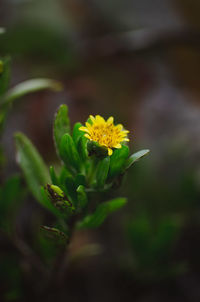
(138, 61)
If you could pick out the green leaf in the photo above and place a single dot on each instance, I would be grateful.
(4, 76)
(53, 176)
(135, 157)
(2, 30)
(103, 210)
(33, 166)
(69, 152)
(117, 161)
(61, 125)
(68, 185)
(30, 86)
(11, 195)
(54, 234)
(47, 203)
(82, 197)
(102, 172)
(80, 180)
(77, 133)
(82, 148)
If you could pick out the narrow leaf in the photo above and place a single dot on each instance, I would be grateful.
(135, 157)
(33, 166)
(53, 176)
(82, 197)
(117, 161)
(61, 125)
(69, 152)
(77, 133)
(102, 172)
(4, 76)
(103, 210)
(30, 86)
(82, 148)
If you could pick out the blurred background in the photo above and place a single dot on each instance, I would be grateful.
(138, 61)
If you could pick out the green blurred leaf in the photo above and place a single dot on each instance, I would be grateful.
(82, 197)
(4, 76)
(102, 172)
(30, 86)
(80, 180)
(11, 193)
(34, 168)
(54, 234)
(69, 152)
(61, 125)
(2, 30)
(135, 157)
(103, 210)
(53, 176)
(117, 161)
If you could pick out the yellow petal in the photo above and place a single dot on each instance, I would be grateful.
(126, 139)
(85, 129)
(110, 151)
(92, 118)
(88, 125)
(100, 119)
(118, 146)
(87, 135)
(119, 126)
(110, 120)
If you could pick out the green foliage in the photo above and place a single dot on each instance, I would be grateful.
(82, 197)
(85, 169)
(33, 166)
(69, 152)
(152, 242)
(30, 86)
(11, 192)
(8, 96)
(135, 157)
(61, 125)
(4, 75)
(102, 172)
(103, 210)
(117, 161)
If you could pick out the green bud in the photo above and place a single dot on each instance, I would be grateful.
(58, 198)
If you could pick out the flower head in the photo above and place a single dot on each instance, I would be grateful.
(105, 133)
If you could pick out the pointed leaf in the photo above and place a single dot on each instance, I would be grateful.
(103, 210)
(82, 148)
(53, 176)
(77, 133)
(30, 86)
(61, 125)
(102, 172)
(117, 161)
(135, 157)
(4, 76)
(69, 152)
(33, 166)
(82, 197)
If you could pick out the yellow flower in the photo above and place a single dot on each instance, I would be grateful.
(105, 132)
